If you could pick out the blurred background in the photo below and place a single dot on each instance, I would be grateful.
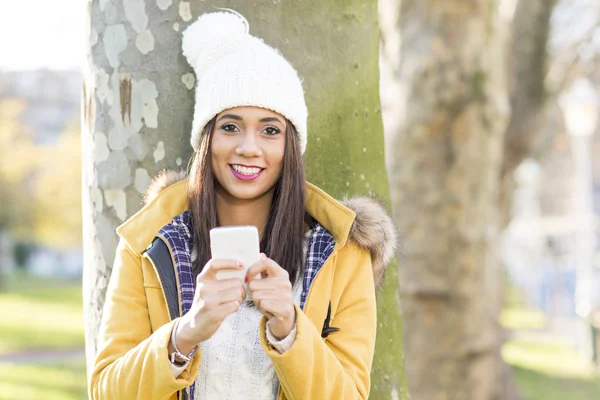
(41, 319)
(548, 243)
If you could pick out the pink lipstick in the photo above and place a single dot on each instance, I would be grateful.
(244, 177)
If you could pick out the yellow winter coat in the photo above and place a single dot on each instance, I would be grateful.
(132, 361)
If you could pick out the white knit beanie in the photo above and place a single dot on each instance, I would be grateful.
(234, 69)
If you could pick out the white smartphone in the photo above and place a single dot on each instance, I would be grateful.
(238, 243)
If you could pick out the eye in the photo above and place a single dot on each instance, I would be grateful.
(272, 131)
(229, 127)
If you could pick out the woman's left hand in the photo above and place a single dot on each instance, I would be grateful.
(272, 295)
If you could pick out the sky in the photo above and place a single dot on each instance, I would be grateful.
(41, 34)
(50, 33)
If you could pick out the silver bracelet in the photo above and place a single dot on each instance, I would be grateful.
(177, 357)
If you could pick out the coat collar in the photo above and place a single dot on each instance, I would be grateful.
(139, 230)
(362, 220)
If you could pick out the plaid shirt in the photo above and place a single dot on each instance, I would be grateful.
(178, 235)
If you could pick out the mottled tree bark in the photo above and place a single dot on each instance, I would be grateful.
(138, 100)
(528, 60)
(528, 67)
(136, 91)
(447, 147)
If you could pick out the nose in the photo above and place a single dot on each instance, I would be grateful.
(248, 146)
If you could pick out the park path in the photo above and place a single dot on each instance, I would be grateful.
(43, 356)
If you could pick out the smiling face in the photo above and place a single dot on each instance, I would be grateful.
(247, 149)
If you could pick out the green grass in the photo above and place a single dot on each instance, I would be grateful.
(63, 381)
(523, 319)
(47, 314)
(551, 370)
(553, 357)
(537, 386)
(40, 313)
(545, 367)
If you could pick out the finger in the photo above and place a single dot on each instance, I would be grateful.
(262, 310)
(266, 266)
(206, 289)
(266, 314)
(272, 294)
(213, 293)
(221, 312)
(276, 309)
(262, 296)
(234, 293)
(220, 284)
(218, 264)
(262, 265)
(273, 283)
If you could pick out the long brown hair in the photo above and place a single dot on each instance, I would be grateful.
(282, 239)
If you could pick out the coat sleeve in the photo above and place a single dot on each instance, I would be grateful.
(338, 367)
(132, 361)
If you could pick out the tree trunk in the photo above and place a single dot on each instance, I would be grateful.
(6, 257)
(529, 59)
(135, 96)
(528, 94)
(447, 155)
(527, 72)
(138, 100)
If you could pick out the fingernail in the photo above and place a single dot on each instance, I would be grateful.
(240, 264)
(263, 256)
(246, 279)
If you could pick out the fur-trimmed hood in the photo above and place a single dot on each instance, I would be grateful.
(372, 228)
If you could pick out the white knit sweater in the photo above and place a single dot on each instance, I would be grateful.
(234, 366)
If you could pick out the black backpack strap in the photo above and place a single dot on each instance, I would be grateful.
(161, 256)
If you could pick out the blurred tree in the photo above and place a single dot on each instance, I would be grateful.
(57, 191)
(138, 101)
(10, 212)
(528, 71)
(18, 151)
(528, 61)
(41, 183)
(447, 151)
(17, 161)
(21, 254)
(451, 162)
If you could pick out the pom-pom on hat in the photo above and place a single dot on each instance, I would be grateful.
(235, 69)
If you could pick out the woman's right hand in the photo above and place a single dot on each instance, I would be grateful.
(213, 301)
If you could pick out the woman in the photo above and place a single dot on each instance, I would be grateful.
(309, 332)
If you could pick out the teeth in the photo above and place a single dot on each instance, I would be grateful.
(246, 170)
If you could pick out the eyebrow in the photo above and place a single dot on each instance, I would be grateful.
(232, 116)
(271, 119)
(238, 118)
